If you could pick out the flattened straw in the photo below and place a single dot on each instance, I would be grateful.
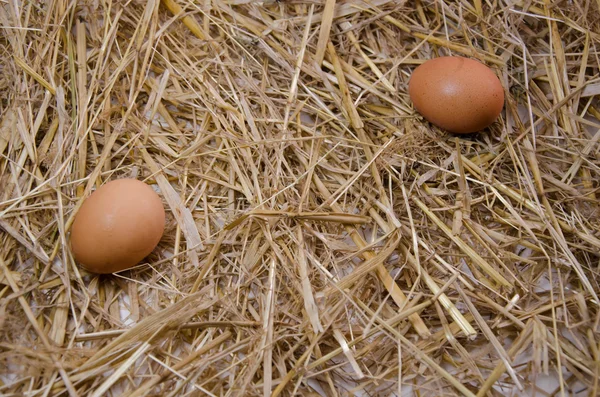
(348, 353)
(348, 105)
(294, 85)
(82, 96)
(267, 340)
(188, 21)
(60, 318)
(324, 31)
(309, 300)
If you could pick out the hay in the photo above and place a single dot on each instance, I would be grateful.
(322, 238)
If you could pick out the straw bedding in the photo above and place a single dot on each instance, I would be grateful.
(322, 238)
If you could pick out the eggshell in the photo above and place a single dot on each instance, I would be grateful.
(458, 94)
(117, 226)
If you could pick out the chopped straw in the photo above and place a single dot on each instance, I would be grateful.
(322, 238)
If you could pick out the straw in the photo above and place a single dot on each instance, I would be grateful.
(322, 238)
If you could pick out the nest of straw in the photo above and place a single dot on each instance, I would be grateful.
(322, 238)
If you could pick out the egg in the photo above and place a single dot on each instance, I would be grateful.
(117, 226)
(457, 94)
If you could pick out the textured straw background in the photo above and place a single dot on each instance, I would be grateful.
(322, 238)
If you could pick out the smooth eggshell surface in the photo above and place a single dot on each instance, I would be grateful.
(458, 94)
(117, 226)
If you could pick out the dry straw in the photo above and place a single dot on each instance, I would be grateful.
(322, 239)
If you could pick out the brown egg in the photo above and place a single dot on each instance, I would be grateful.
(458, 94)
(117, 226)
